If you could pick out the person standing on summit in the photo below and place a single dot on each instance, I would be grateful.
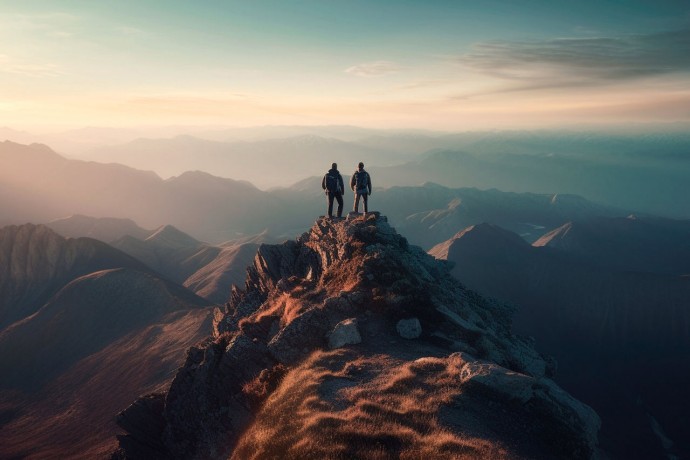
(361, 185)
(333, 184)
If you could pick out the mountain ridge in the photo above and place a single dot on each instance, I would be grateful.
(35, 262)
(106, 229)
(86, 329)
(347, 297)
(617, 326)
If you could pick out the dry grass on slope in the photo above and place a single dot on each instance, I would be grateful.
(338, 405)
(73, 417)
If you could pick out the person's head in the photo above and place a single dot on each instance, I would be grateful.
(334, 166)
(360, 166)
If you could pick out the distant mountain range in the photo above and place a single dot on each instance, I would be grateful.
(207, 270)
(217, 210)
(650, 245)
(83, 141)
(106, 229)
(607, 297)
(431, 213)
(85, 328)
(265, 163)
(645, 172)
(643, 168)
(647, 178)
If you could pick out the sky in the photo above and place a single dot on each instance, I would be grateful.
(444, 65)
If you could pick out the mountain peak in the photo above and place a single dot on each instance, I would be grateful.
(485, 230)
(35, 262)
(479, 235)
(106, 229)
(344, 324)
(557, 237)
(172, 238)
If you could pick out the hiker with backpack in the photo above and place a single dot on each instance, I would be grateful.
(361, 185)
(333, 184)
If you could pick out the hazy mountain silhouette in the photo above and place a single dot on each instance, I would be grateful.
(642, 169)
(348, 342)
(106, 229)
(345, 133)
(14, 135)
(647, 174)
(627, 243)
(432, 213)
(83, 142)
(211, 208)
(619, 335)
(215, 210)
(265, 163)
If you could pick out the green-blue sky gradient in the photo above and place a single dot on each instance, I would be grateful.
(385, 63)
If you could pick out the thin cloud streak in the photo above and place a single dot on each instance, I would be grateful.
(582, 61)
(135, 32)
(9, 65)
(374, 69)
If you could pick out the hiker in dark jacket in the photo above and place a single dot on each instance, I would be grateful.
(333, 184)
(361, 185)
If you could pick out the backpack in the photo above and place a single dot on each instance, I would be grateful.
(361, 180)
(332, 184)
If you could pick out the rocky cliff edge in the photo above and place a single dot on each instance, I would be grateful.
(350, 343)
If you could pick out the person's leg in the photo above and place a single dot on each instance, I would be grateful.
(365, 197)
(330, 204)
(356, 205)
(339, 197)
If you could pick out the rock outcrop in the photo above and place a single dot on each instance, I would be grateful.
(267, 382)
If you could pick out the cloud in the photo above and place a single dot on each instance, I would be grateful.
(44, 26)
(374, 69)
(133, 32)
(47, 22)
(12, 66)
(581, 61)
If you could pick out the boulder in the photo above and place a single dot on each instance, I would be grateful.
(495, 380)
(409, 328)
(344, 333)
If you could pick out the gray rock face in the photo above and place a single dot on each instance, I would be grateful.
(348, 281)
(409, 328)
(344, 333)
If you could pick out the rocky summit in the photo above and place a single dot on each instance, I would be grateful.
(350, 343)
